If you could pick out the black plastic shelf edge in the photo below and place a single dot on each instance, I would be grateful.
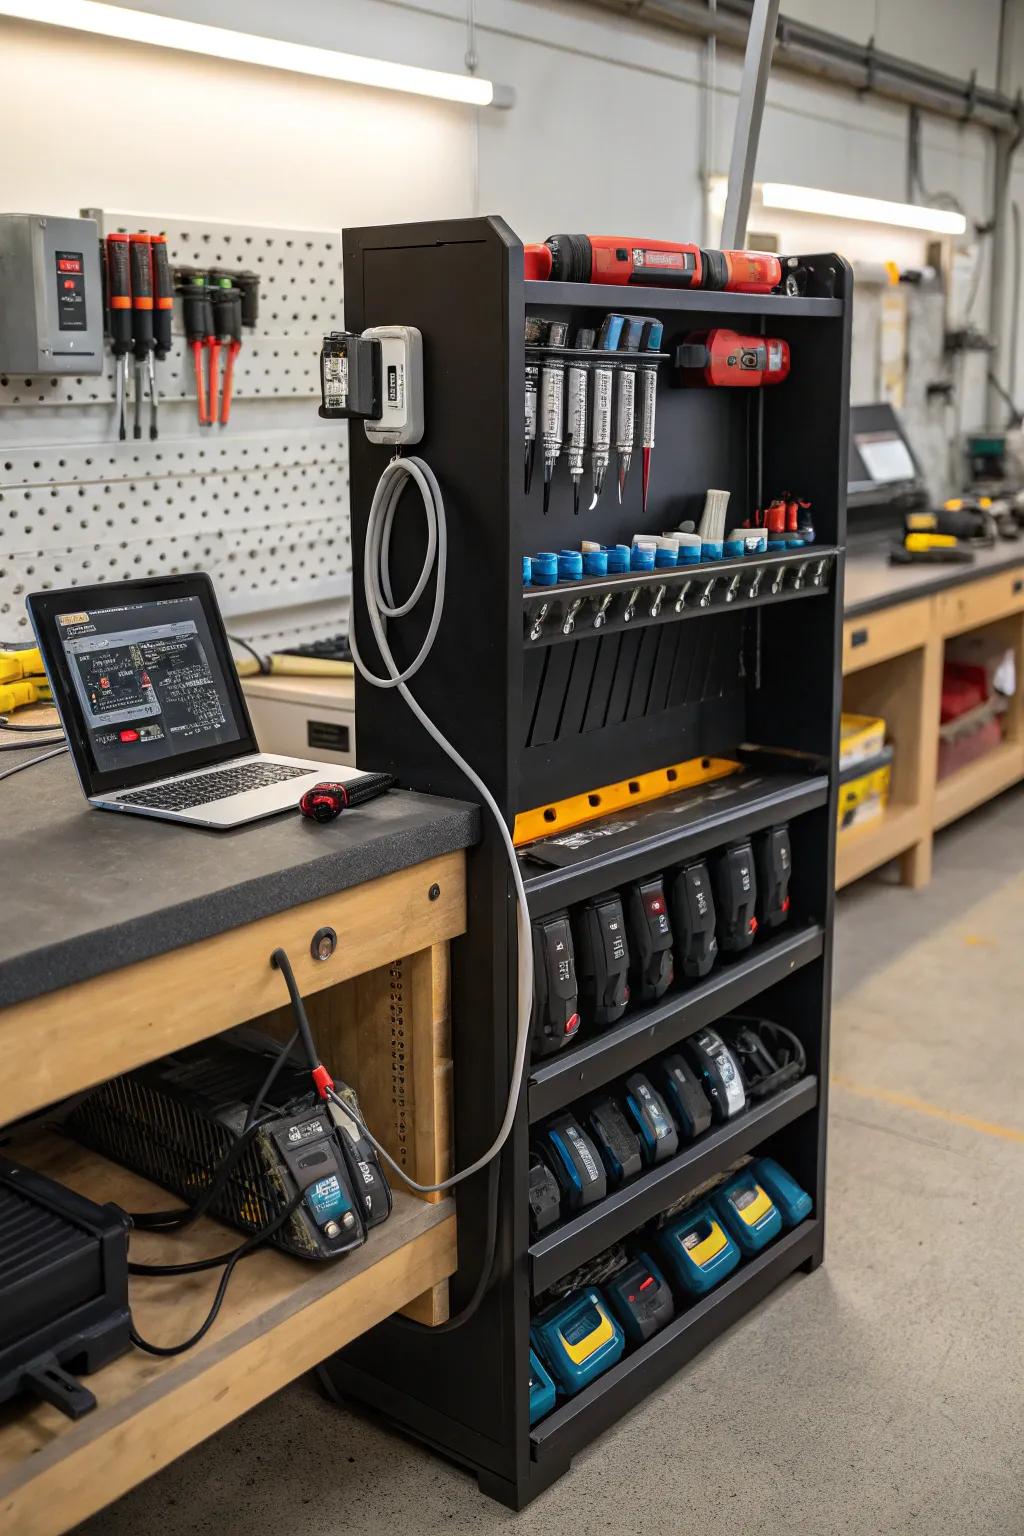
(589, 1065)
(556, 887)
(597, 1407)
(613, 296)
(599, 1226)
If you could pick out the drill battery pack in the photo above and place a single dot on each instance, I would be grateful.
(578, 1338)
(697, 1250)
(748, 1212)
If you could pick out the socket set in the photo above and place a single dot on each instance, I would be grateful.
(625, 949)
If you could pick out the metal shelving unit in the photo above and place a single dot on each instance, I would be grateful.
(547, 715)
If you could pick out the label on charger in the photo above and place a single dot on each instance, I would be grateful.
(396, 385)
(583, 1152)
(627, 405)
(335, 379)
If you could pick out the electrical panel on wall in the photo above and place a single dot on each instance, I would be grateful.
(260, 502)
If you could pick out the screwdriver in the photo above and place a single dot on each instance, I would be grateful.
(534, 337)
(198, 325)
(142, 319)
(625, 415)
(219, 334)
(163, 311)
(552, 401)
(229, 323)
(249, 284)
(601, 429)
(119, 289)
(649, 342)
(576, 411)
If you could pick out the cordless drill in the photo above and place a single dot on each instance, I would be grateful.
(655, 263)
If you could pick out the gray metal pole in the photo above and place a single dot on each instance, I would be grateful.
(749, 112)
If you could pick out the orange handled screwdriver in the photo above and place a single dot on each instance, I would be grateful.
(119, 295)
(198, 326)
(142, 319)
(163, 313)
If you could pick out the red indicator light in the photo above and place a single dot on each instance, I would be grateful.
(785, 905)
(128, 735)
(646, 1284)
(69, 282)
(572, 1023)
(753, 925)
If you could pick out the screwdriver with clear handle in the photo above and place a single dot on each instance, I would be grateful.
(576, 415)
(649, 342)
(625, 411)
(552, 403)
(601, 416)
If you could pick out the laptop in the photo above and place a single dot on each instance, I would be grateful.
(155, 717)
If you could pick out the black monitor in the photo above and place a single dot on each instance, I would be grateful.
(884, 480)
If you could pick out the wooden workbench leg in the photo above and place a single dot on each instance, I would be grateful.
(430, 1016)
(916, 863)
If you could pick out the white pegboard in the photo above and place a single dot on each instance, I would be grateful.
(261, 504)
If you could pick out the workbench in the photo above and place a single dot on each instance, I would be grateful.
(123, 938)
(897, 619)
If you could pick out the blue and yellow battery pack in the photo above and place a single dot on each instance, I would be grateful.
(748, 1212)
(578, 1338)
(698, 1250)
(793, 1202)
(542, 1388)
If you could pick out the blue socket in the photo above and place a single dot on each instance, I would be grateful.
(545, 568)
(641, 558)
(570, 565)
(595, 562)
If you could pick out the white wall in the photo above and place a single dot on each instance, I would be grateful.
(605, 131)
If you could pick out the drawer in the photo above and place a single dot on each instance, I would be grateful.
(974, 603)
(889, 632)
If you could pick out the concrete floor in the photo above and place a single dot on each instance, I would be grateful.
(880, 1396)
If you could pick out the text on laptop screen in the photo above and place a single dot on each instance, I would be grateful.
(148, 681)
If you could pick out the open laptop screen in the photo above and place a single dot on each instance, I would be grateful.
(143, 672)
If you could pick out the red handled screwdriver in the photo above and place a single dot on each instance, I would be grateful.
(163, 313)
(119, 291)
(142, 319)
(198, 325)
(230, 325)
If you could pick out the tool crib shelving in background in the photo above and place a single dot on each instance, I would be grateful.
(548, 715)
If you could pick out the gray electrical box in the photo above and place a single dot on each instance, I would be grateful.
(51, 295)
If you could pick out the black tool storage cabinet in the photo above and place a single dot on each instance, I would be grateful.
(544, 714)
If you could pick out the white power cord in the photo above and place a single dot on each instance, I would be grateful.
(381, 606)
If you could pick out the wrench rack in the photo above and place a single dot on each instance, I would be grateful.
(547, 706)
(564, 612)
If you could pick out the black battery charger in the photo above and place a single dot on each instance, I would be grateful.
(615, 1139)
(693, 920)
(555, 1012)
(651, 966)
(773, 862)
(575, 1161)
(735, 896)
(682, 1091)
(602, 959)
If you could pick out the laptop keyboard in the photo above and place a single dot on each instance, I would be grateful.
(183, 794)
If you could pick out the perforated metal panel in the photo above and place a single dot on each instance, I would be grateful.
(262, 503)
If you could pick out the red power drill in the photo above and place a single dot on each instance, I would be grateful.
(725, 357)
(655, 263)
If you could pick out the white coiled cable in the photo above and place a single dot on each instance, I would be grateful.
(380, 607)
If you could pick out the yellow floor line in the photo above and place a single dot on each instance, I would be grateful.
(951, 1116)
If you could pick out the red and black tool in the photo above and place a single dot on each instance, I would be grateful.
(198, 317)
(142, 321)
(724, 357)
(327, 800)
(655, 263)
(163, 313)
(227, 318)
(119, 300)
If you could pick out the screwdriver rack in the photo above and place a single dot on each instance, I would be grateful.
(546, 705)
(260, 504)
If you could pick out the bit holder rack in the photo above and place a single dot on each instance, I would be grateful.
(544, 719)
(552, 614)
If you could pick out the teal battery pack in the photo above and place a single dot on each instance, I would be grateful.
(578, 1338)
(748, 1212)
(542, 1388)
(794, 1203)
(697, 1249)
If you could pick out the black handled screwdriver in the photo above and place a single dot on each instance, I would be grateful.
(119, 293)
(163, 314)
(142, 319)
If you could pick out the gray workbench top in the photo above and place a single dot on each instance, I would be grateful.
(872, 583)
(83, 891)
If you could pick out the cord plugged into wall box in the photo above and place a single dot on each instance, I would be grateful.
(376, 378)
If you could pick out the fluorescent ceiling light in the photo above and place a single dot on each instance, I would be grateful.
(870, 210)
(246, 48)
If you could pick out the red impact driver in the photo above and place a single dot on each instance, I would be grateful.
(655, 263)
(725, 357)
